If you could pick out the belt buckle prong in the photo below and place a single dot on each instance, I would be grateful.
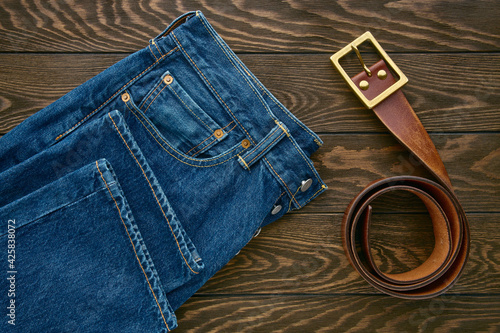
(367, 36)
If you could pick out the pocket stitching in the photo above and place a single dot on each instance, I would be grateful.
(155, 196)
(213, 89)
(194, 154)
(182, 155)
(149, 96)
(187, 107)
(116, 93)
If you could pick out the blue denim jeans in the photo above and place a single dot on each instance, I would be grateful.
(122, 198)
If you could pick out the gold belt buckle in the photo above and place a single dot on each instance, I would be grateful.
(367, 36)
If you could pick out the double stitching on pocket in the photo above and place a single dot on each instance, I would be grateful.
(179, 118)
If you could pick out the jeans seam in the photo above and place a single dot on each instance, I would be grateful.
(209, 138)
(187, 106)
(239, 71)
(178, 159)
(262, 152)
(305, 159)
(207, 145)
(112, 96)
(213, 89)
(52, 211)
(154, 43)
(133, 246)
(315, 193)
(293, 198)
(154, 98)
(154, 55)
(277, 174)
(154, 194)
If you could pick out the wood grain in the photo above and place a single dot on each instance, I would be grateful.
(295, 277)
(345, 313)
(307, 84)
(252, 26)
(303, 254)
(348, 162)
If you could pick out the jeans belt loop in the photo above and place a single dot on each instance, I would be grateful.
(263, 146)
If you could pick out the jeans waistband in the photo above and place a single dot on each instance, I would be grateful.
(277, 137)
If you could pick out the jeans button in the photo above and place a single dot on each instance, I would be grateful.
(257, 232)
(276, 209)
(306, 184)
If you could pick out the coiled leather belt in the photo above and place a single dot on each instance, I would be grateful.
(381, 92)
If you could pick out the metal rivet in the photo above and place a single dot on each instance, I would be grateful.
(306, 184)
(382, 74)
(168, 79)
(245, 143)
(364, 85)
(257, 232)
(125, 97)
(276, 209)
(219, 133)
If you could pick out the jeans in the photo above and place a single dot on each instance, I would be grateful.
(122, 198)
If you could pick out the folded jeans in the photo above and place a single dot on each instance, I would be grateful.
(132, 190)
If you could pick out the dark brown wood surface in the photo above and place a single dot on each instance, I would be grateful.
(295, 277)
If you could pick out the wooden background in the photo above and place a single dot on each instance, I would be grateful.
(294, 277)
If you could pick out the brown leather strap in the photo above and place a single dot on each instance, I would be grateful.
(451, 231)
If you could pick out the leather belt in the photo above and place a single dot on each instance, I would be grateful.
(380, 91)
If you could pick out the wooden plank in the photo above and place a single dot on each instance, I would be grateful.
(314, 91)
(294, 277)
(255, 26)
(347, 163)
(448, 313)
(303, 254)
(307, 84)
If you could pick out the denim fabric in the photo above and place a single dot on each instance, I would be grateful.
(132, 190)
